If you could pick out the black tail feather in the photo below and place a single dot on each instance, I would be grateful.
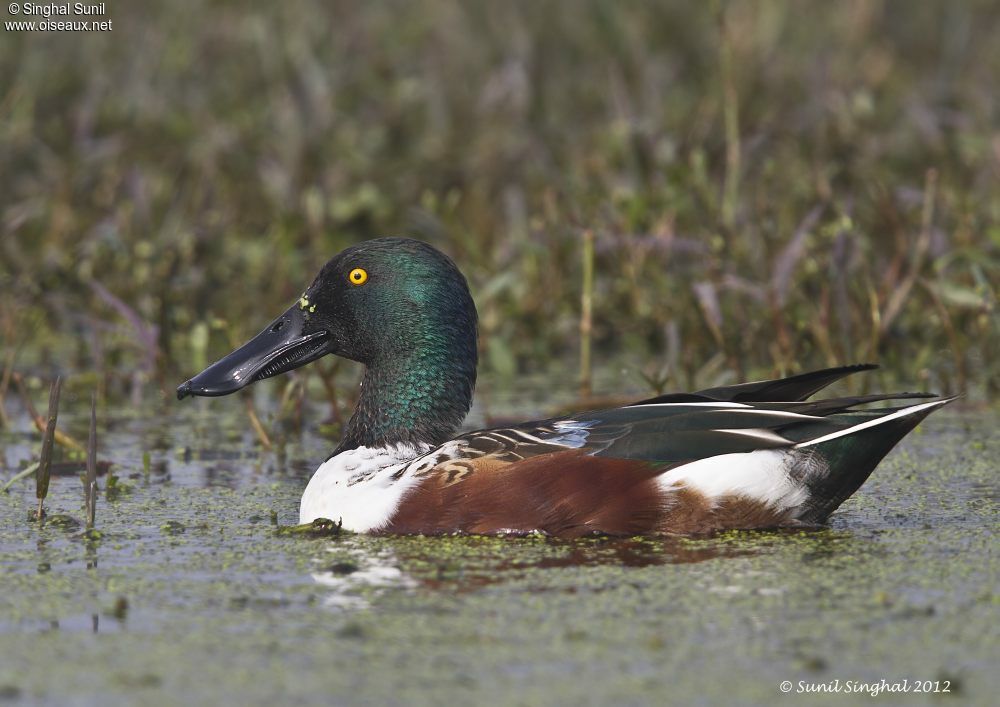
(793, 388)
(835, 405)
(851, 456)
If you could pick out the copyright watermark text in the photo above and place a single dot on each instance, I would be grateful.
(872, 689)
(58, 17)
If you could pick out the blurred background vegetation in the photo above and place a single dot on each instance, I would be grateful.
(769, 186)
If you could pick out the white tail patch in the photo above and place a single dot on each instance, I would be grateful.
(877, 421)
(761, 475)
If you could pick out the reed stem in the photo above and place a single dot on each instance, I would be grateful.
(43, 473)
(90, 484)
(586, 315)
(257, 425)
(731, 121)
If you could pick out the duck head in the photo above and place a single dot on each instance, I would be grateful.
(397, 305)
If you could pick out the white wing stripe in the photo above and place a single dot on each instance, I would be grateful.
(777, 414)
(704, 405)
(766, 435)
(872, 423)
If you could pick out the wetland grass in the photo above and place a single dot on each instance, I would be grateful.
(8, 370)
(43, 472)
(90, 480)
(731, 123)
(45, 468)
(258, 427)
(23, 474)
(586, 315)
(40, 422)
(793, 194)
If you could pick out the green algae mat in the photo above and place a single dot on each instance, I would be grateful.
(192, 595)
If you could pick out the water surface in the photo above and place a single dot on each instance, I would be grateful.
(191, 596)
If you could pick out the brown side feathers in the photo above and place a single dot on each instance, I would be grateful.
(566, 494)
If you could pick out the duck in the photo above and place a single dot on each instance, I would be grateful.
(756, 455)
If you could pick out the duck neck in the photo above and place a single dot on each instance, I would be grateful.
(418, 399)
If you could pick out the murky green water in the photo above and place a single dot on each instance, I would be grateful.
(191, 597)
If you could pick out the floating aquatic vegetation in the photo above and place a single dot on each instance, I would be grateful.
(320, 527)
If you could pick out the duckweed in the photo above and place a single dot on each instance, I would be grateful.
(234, 611)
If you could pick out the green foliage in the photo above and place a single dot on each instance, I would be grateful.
(769, 189)
(115, 488)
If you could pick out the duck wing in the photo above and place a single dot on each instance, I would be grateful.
(689, 466)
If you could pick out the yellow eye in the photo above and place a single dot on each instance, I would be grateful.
(358, 276)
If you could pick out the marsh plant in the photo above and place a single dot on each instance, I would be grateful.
(762, 193)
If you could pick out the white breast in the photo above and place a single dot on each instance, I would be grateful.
(357, 488)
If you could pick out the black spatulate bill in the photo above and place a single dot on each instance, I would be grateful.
(285, 344)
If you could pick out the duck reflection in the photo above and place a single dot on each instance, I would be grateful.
(359, 569)
(357, 575)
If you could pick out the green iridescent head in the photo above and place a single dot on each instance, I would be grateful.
(397, 305)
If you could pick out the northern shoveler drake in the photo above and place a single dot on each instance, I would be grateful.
(754, 455)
